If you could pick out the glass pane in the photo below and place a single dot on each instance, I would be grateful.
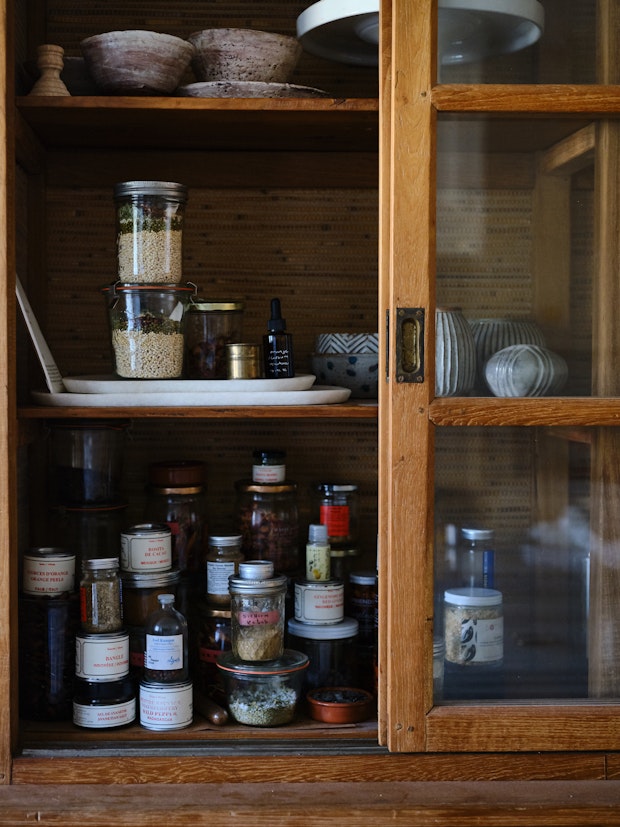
(515, 511)
(524, 252)
(517, 41)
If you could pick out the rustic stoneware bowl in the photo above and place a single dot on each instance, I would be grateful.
(340, 704)
(136, 62)
(244, 54)
(357, 371)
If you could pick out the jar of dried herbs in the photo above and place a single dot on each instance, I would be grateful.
(100, 596)
(257, 611)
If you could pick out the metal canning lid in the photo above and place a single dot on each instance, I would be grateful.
(289, 661)
(345, 628)
(49, 553)
(473, 597)
(256, 570)
(334, 488)
(168, 189)
(266, 488)
(238, 585)
(99, 563)
(147, 529)
(203, 306)
(363, 578)
(165, 688)
(477, 533)
(150, 580)
(224, 539)
(320, 584)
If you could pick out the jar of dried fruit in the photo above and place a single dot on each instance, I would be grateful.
(211, 325)
(268, 521)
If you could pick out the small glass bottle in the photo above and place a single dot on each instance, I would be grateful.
(100, 596)
(477, 558)
(318, 553)
(176, 495)
(268, 466)
(223, 558)
(336, 507)
(166, 649)
(257, 611)
(278, 346)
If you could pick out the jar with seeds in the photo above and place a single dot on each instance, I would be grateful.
(149, 231)
(100, 596)
(147, 326)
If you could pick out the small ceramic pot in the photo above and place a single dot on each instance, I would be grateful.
(455, 353)
(340, 704)
(526, 370)
(491, 335)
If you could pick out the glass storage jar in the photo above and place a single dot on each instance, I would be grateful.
(223, 558)
(214, 637)
(330, 649)
(140, 592)
(257, 611)
(147, 326)
(86, 461)
(210, 326)
(88, 532)
(176, 495)
(149, 231)
(336, 507)
(268, 520)
(100, 596)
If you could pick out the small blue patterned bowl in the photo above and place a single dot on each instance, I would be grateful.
(357, 371)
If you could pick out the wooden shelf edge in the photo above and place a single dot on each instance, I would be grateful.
(527, 98)
(550, 411)
(344, 410)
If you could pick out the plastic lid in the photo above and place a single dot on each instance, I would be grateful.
(290, 661)
(473, 597)
(364, 578)
(207, 306)
(169, 189)
(225, 539)
(334, 488)
(181, 472)
(345, 628)
(166, 599)
(477, 533)
(256, 570)
(318, 534)
(100, 563)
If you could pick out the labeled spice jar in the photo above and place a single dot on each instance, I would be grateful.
(140, 591)
(101, 657)
(268, 520)
(330, 650)
(223, 558)
(47, 629)
(48, 571)
(176, 496)
(210, 326)
(214, 637)
(337, 507)
(362, 603)
(477, 558)
(269, 466)
(100, 596)
(263, 694)
(319, 601)
(474, 643)
(104, 704)
(149, 231)
(257, 611)
(166, 655)
(86, 461)
(89, 531)
(166, 706)
(146, 547)
(147, 326)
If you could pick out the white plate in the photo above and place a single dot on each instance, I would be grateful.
(247, 89)
(112, 384)
(318, 395)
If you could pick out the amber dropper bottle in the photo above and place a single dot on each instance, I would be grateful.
(277, 346)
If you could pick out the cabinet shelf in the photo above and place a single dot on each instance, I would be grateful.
(348, 125)
(551, 411)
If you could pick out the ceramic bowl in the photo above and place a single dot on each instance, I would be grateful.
(455, 353)
(357, 371)
(340, 704)
(244, 54)
(347, 343)
(526, 370)
(491, 335)
(136, 62)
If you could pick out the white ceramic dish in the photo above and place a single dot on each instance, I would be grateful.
(112, 384)
(247, 89)
(526, 370)
(319, 395)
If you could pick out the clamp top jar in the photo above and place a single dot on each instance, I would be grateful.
(149, 231)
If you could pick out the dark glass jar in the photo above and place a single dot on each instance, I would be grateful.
(268, 521)
(104, 704)
(47, 630)
(176, 495)
(362, 603)
(330, 649)
(210, 326)
(214, 637)
(336, 506)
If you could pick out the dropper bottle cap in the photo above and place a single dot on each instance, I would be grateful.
(276, 323)
(317, 534)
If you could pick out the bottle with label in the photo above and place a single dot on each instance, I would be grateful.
(268, 466)
(166, 649)
(318, 553)
(336, 507)
(100, 596)
(223, 558)
(277, 346)
(477, 558)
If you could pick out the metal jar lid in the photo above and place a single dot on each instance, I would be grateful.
(363, 578)
(99, 563)
(477, 533)
(169, 189)
(266, 488)
(150, 580)
(256, 577)
(225, 540)
(199, 305)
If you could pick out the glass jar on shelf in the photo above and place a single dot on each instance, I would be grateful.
(268, 521)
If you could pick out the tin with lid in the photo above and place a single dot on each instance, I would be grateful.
(319, 601)
(149, 231)
(146, 547)
(166, 706)
(48, 571)
(244, 360)
(101, 657)
(211, 326)
(104, 705)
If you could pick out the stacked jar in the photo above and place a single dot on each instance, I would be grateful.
(262, 678)
(336, 506)
(147, 303)
(267, 512)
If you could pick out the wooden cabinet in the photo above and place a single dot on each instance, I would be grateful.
(330, 203)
